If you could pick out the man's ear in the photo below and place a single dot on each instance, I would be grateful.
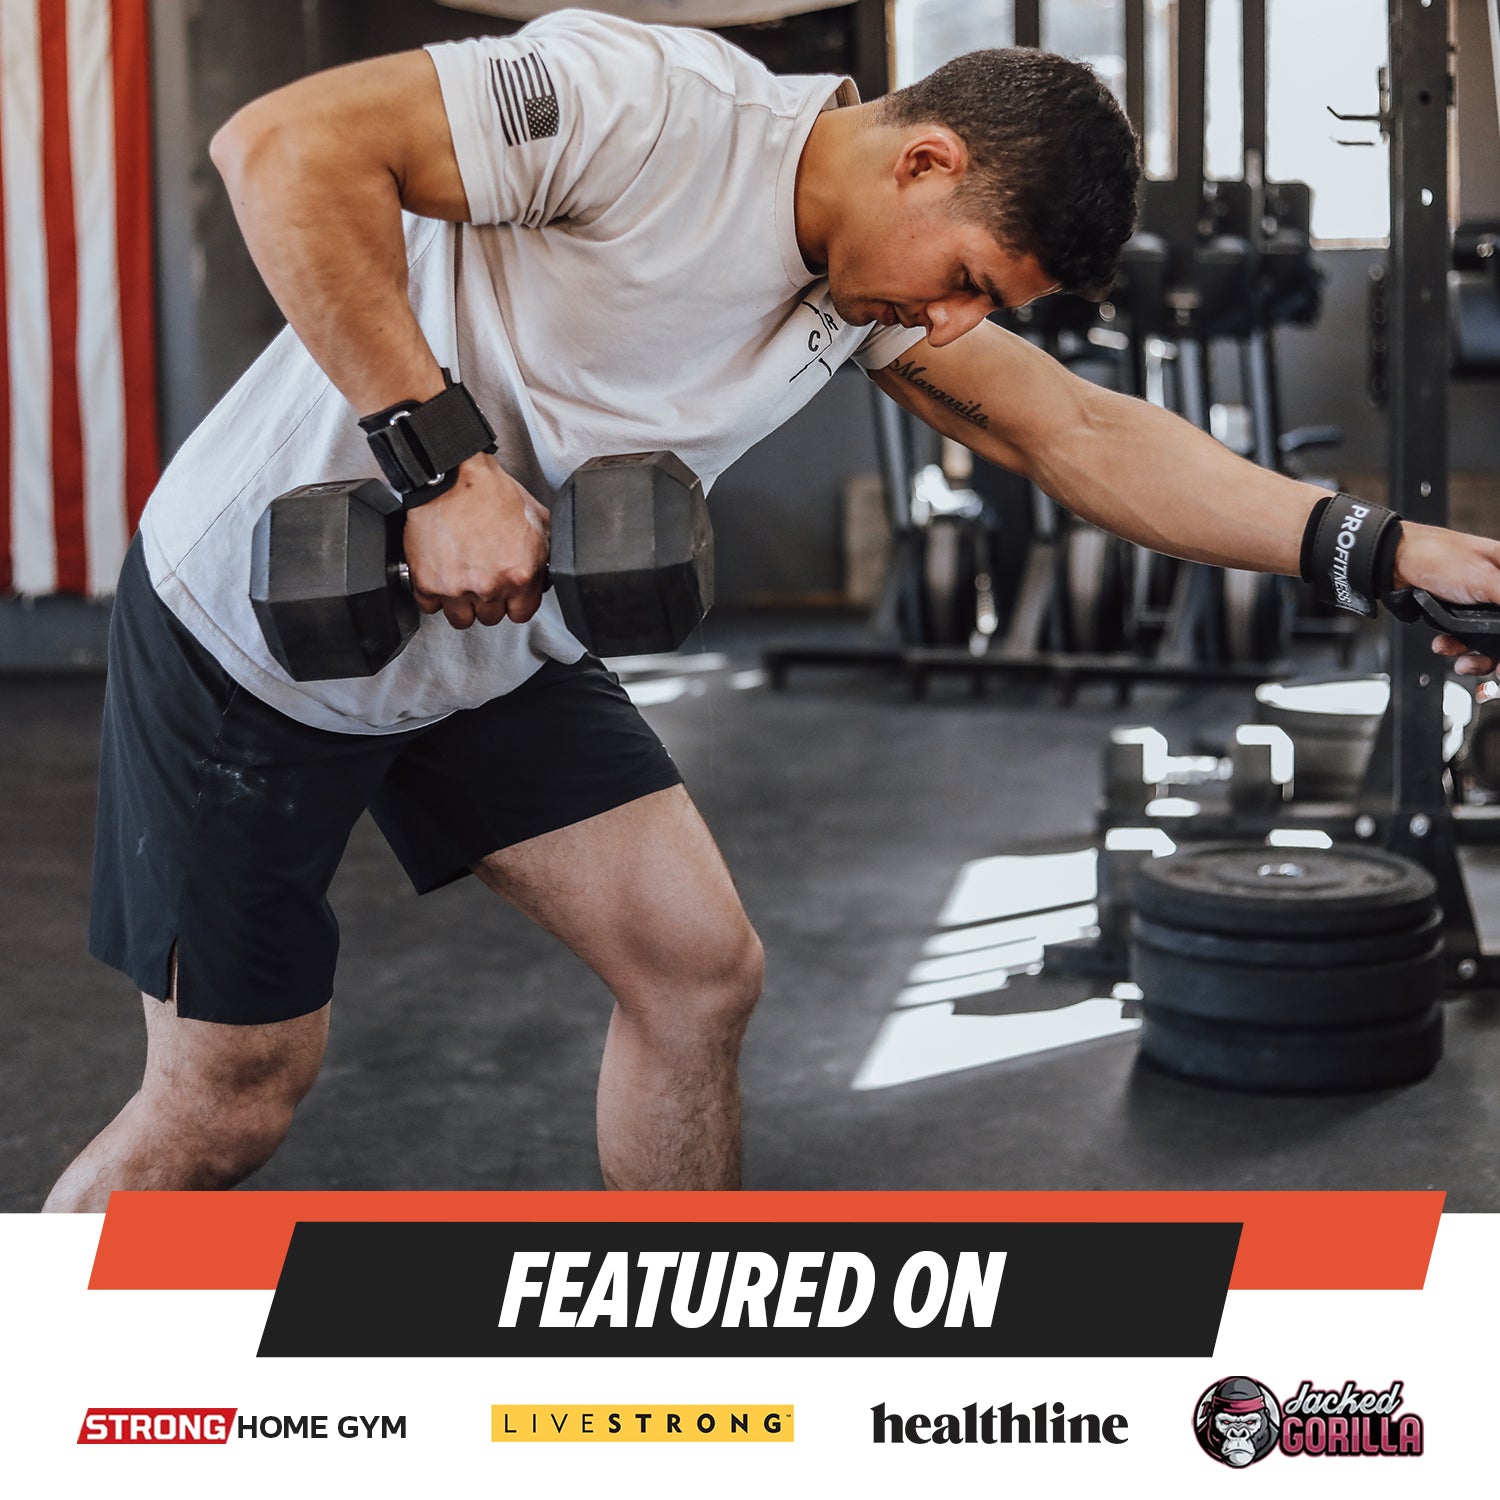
(932, 149)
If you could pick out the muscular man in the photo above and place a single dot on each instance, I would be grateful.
(617, 238)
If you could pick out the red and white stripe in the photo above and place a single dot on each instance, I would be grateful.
(78, 444)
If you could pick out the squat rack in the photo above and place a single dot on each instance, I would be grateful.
(1404, 804)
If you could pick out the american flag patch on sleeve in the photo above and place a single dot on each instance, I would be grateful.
(525, 97)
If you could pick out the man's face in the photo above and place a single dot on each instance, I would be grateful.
(921, 265)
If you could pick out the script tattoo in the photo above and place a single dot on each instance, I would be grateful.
(969, 411)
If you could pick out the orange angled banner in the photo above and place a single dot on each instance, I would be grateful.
(1289, 1241)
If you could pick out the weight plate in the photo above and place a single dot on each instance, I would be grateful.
(1099, 573)
(1257, 616)
(1477, 764)
(1120, 624)
(1270, 952)
(949, 570)
(1332, 725)
(1254, 889)
(1342, 708)
(1299, 996)
(1261, 1059)
(1159, 581)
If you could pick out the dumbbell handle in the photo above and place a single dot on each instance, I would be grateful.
(400, 571)
(1476, 625)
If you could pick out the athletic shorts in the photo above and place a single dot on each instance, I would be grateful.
(221, 821)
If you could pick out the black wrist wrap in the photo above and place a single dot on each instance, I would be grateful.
(1349, 552)
(420, 444)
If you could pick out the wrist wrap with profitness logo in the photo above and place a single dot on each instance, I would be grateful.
(1349, 556)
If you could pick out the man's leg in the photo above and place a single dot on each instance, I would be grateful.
(642, 895)
(214, 1104)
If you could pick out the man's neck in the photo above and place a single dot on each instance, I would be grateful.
(828, 171)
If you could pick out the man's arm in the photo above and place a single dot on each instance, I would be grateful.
(1146, 474)
(1121, 463)
(319, 173)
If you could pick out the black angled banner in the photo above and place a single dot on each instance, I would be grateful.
(883, 1290)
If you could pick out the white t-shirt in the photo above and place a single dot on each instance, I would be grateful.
(631, 281)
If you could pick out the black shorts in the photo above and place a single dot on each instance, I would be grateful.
(222, 821)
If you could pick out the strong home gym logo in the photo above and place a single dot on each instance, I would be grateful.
(203, 1424)
(1239, 1421)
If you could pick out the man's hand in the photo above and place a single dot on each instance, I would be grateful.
(479, 552)
(1457, 567)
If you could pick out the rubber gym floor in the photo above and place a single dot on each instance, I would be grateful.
(863, 828)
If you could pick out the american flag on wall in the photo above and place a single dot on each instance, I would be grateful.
(78, 443)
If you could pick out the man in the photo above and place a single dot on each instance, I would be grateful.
(618, 238)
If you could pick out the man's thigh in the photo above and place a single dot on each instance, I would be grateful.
(201, 1066)
(640, 893)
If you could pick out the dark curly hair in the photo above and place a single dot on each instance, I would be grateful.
(1054, 167)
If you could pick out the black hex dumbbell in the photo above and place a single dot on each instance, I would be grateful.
(631, 561)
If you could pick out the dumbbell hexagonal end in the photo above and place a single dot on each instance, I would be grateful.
(632, 553)
(321, 563)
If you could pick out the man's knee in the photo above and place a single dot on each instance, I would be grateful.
(223, 1097)
(221, 1129)
(750, 971)
(713, 978)
(240, 1138)
(736, 975)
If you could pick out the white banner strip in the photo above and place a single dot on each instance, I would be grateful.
(100, 365)
(32, 541)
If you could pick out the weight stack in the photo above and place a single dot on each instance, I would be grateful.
(1310, 971)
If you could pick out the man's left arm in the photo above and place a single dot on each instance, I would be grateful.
(1144, 473)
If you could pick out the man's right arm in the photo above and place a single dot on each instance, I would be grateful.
(319, 173)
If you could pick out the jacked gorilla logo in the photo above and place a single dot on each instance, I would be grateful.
(1238, 1421)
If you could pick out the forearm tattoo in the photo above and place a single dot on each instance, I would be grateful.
(969, 411)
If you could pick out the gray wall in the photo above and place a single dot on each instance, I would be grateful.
(1323, 379)
(208, 58)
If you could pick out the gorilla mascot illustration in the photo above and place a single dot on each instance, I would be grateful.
(1238, 1421)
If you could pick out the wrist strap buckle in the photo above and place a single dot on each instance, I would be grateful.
(420, 444)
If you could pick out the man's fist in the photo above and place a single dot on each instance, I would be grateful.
(479, 552)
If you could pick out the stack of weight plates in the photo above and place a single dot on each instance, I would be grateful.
(1288, 970)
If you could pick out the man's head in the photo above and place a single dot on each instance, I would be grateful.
(1000, 177)
(1053, 167)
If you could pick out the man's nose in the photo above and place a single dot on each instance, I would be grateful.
(951, 318)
